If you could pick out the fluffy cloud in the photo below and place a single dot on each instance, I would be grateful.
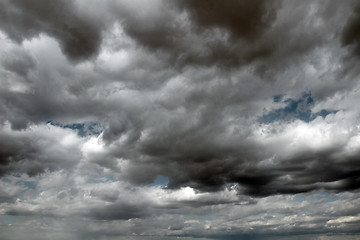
(37, 149)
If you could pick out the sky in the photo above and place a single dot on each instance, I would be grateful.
(181, 119)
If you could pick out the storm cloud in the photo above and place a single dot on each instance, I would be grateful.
(191, 119)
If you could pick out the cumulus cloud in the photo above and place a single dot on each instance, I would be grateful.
(37, 149)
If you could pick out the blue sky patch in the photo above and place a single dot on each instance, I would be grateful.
(83, 129)
(161, 181)
(321, 195)
(294, 109)
(30, 184)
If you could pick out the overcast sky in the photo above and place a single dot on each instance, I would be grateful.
(181, 119)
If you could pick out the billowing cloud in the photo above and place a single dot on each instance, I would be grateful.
(78, 35)
(240, 18)
(206, 120)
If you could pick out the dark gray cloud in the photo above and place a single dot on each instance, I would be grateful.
(78, 36)
(241, 18)
(351, 31)
(194, 40)
(119, 211)
(232, 34)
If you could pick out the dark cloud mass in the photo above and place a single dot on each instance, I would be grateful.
(78, 36)
(179, 119)
(351, 31)
(243, 19)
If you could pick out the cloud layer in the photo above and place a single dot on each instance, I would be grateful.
(179, 119)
